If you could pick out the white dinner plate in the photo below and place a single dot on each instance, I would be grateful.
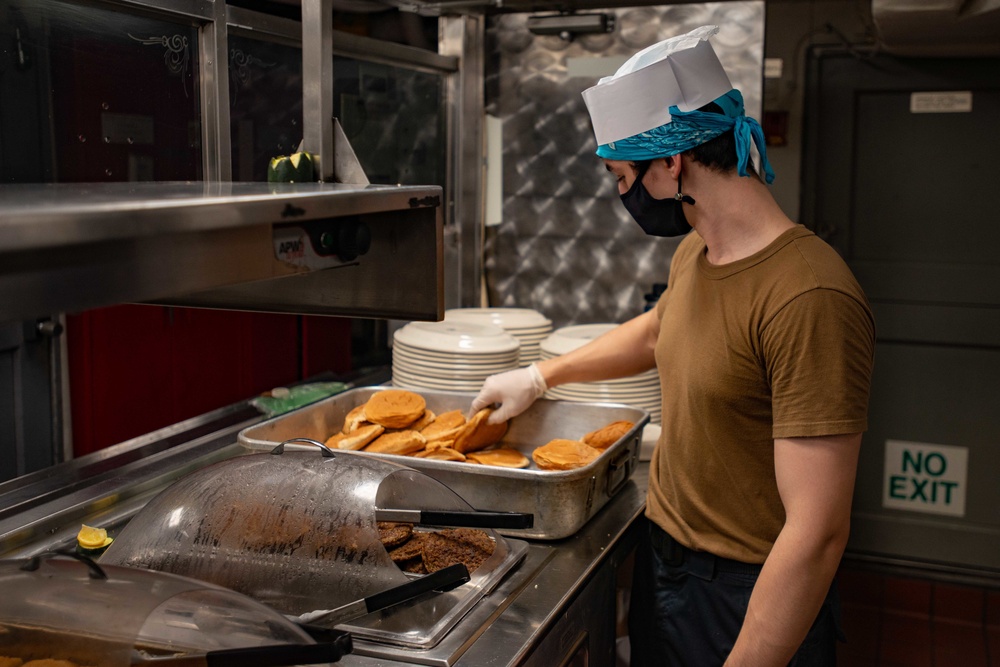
(505, 318)
(456, 337)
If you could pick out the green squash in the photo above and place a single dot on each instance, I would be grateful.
(294, 168)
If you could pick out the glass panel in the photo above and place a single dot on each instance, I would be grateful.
(394, 118)
(97, 95)
(265, 94)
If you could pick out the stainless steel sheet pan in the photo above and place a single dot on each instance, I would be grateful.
(561, 501)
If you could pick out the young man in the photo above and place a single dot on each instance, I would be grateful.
(764, 346)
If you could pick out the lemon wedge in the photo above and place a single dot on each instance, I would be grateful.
(93, 538)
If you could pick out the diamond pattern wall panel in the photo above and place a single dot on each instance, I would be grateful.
(566, 246)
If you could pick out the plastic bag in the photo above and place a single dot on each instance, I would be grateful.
(285, 399)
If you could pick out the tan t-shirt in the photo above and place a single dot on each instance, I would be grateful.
(776, 345)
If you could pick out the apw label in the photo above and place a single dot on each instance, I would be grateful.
(921, 477)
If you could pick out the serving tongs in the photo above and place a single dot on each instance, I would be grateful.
(465, 519)
(441, 581)
(278, 655)
(469, 519)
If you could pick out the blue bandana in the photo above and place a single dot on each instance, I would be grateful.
(688, 129)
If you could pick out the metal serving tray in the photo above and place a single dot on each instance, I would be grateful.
(561, 501)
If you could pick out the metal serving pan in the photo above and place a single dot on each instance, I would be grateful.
(561, 501)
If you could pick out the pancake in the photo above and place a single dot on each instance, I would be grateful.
(393, 533)
(607, 435)
(354, 419)
(478, 434)
(446, 425)
(504, 457)
(397, 442)
(441, 454)
(356, 439)
(425, 419)
(395, 408)
(560, 454)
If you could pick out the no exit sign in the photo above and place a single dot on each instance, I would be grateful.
(921, 477)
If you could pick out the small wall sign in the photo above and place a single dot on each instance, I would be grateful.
(959, 101)
(922, 477)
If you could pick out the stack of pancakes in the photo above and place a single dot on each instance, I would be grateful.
(397, 421)
(562, 454)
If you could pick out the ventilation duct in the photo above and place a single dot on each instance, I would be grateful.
(938, 28)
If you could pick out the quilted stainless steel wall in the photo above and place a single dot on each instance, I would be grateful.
(566, 246)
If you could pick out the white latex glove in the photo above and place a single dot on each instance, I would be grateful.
(515, 391)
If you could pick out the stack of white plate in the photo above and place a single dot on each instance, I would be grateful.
(450, 356)
(528, 326)
(641, 391)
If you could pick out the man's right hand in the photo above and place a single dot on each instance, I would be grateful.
(514, 391)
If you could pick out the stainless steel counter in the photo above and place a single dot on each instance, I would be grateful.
(559, 601)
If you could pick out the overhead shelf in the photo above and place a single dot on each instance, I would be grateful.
(318, 248)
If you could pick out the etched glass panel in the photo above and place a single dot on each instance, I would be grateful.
(92, 95)
(394, 119)
(265, 96)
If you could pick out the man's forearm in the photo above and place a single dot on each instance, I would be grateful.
(786, 599)
(623, 351)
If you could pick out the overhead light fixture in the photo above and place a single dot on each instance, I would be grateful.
(568, 25)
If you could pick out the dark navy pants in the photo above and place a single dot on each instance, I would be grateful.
(687, 608)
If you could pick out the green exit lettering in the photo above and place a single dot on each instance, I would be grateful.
(925, 477)
(932, 464)
(921, 490)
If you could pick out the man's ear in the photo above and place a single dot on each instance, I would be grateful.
(673, 164)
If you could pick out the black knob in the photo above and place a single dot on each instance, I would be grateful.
(49, 328)
(353, 240)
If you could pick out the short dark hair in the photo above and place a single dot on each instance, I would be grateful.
(718, 154)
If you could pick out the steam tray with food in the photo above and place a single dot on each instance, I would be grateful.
(560, 461)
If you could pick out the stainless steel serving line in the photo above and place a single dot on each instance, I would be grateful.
(542, 612)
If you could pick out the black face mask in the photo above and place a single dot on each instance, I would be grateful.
(657, 217)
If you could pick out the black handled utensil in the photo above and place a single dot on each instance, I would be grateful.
(474, 519)
(441, 581)
(279, 655)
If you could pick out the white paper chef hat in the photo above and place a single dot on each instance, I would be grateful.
(682, 71)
